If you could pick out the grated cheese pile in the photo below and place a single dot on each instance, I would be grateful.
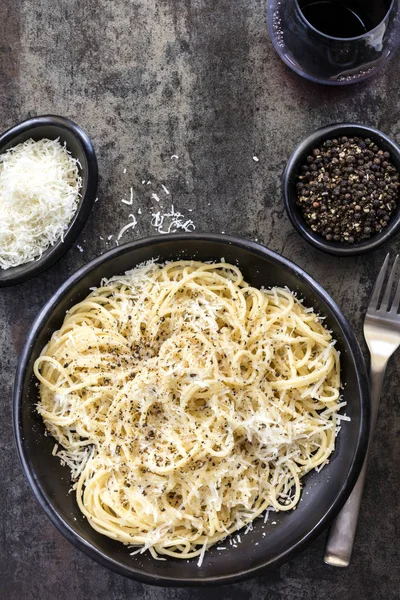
(39, 193)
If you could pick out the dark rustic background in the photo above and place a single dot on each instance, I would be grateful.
(148, 79)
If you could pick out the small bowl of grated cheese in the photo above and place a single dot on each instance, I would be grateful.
(48, 183)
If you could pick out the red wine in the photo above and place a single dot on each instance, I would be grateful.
(344, 18)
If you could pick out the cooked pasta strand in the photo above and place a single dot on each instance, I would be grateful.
(187, 402)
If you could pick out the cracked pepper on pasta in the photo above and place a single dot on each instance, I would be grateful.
(187, 402)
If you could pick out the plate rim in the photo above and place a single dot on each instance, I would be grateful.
(134, 573)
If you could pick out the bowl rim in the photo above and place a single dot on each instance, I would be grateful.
(25, 271)
(300, 152)
(355, 38)
(135, 573)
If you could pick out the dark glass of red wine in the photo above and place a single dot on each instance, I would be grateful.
(335, 41)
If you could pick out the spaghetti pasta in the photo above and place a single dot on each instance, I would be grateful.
(187, 402)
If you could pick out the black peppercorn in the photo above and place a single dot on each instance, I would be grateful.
(348, 190)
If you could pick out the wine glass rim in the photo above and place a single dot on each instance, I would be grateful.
(340, 39)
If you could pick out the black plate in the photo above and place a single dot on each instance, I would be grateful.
(292, 170)
(80, 147)
(323, 494)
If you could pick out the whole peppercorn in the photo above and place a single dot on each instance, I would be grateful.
(348, 189)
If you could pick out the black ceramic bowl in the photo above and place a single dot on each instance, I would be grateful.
(80, 147)
(323, 493)
(292, 170)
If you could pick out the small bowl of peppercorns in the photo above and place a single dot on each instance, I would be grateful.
(342, 189)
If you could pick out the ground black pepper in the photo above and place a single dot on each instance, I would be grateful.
(348, 189)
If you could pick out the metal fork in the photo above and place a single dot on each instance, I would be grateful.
(382, 334)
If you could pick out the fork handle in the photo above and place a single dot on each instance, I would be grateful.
(341, 536)
(342, 533)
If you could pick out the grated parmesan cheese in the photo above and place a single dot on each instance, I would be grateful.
(130, 225)
(39, 193)
(130, 201)
(202, 553)
(171, 221)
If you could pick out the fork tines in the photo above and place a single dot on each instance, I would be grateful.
(385, 305)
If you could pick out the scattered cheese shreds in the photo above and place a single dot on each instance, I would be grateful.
(130, 201)
(203, 551)
(340, 417)
(248, 528)
(39, 193)
(172, 221)
(130, 225)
